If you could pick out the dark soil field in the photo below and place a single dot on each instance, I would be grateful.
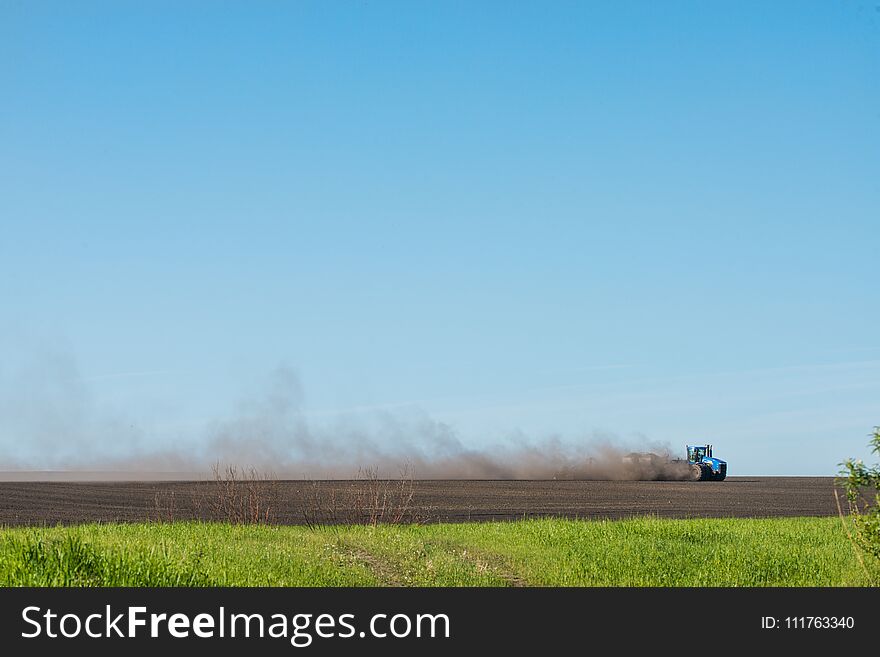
(294, 502)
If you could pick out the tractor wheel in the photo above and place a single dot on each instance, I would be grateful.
(719, 477)
(698, 472)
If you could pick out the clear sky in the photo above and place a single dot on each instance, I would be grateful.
(539, 218)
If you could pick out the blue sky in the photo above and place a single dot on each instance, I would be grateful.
(548, 219)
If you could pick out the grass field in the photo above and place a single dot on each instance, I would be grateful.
(549, 552)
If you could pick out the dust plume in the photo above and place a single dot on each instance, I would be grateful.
(52, 423)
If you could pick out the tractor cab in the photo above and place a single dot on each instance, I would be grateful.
(696, 453)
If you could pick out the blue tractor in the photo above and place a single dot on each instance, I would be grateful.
(704, 466)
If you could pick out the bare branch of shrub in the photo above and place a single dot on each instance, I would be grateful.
(367, 500)
(242, 496)
(164, 506)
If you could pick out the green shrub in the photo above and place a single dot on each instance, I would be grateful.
(862, 485)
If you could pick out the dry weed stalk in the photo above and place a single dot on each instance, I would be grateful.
(243, 496)
(367, 500)
(165, 506)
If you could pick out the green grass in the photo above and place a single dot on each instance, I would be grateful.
(548, 552)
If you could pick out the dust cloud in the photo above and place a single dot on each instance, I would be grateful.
(52, 428)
